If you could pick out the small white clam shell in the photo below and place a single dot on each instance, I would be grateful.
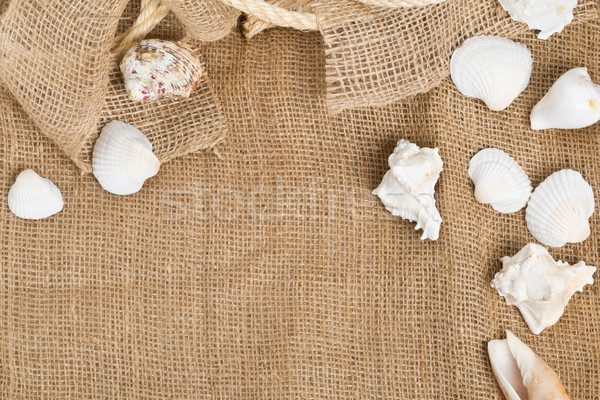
(499, 181)
(559, 209)
(549, 16)
(158, 68)
(521, 374)
(34, 197)
(491, 68)
(123, 159)
(539, 286)
(407, 189)
(572, 102)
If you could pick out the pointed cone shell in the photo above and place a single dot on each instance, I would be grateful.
(549, 16)
(573, 102)
(34, 197)
(559, 209)
(539, 286)
(499, 181)
(158, 68)
(491, 68)
(407, 189)
(521, 374)
(123, 159)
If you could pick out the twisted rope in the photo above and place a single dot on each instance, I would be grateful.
(275, 15)
(151, 13)
(253, 26)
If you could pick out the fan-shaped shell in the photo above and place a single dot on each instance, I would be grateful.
(407, 189)
(539, 286)
(34, 197)
(572, 102)
(491, 68)
(499, 181)
(123, 159)
(559, 209)
(158, 68)
(549, 16)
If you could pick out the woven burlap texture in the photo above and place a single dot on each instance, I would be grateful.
(377, 55)
(272, 272)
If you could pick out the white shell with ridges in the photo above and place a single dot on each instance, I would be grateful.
(521, 374)
(123, 159)
(559, 209)
(407, 189)
(539, 286)
(573, 102)
(34, 197)
(499, 181)
(549, 16)
(491, 68)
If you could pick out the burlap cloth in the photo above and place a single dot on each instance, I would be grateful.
(271, 272)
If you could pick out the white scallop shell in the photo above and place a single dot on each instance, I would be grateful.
(549, 16)
(499, 181)
(573, 102)
(123, 159)
(491, 68)
(539, 286)
(34, 197)
(407, 189)
(559, 209)
(158, 68)
(521, 374)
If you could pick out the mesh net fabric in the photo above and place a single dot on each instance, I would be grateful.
(272, 272)
(376, 55)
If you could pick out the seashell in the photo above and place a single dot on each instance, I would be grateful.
(158, 68)
(407, 189)
(499, 181)
(549, 16)
(522, 374)
(559, 209)
(491, 68)
(122, 159)
(34, 197)
(572, 102)
(539, 286)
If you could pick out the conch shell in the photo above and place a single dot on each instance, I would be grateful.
(549, 16)
(34, 197)
(539, 286)
(407, 189)
(521, 374)
(573, 102)
(158, 68)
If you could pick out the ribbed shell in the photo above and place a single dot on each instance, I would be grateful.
(34, 197)
(491, 68)
(499, 181)
(559, 209)
(549, 16)
(123, 159)
(158, 68)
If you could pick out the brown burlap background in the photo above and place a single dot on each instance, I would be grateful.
(378, 55)
(272, 273)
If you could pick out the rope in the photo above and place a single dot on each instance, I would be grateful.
(252, 26)
(275, 15)
(400, 3)
(151, 13)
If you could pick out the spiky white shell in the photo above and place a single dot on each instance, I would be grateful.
(539, 286)
(122, 159)
(549, 16)
(559, 209)
(407, 189)
(491, 68)
(34, 197)
(158, 68)
(521, 374)
(499, 181)
(573, 102)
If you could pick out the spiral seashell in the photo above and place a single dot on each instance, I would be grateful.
(548, 16)
(491, 68)
(122, 159)
(34, 197)
(158, 68)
